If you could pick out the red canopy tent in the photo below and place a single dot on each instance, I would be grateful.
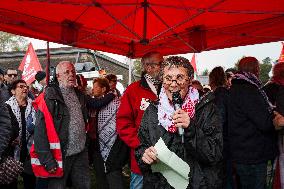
(132, 28)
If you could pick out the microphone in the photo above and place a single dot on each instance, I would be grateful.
(177, 102)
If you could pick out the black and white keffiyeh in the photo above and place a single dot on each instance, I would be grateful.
(29, 115)
(107, 127)
(153, 83)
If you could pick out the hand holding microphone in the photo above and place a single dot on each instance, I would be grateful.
(180, 117)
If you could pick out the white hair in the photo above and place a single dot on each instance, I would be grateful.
(60, 65)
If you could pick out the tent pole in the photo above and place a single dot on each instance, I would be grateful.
(47, 63)
(129, 71)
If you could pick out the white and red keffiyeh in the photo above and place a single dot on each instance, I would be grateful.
(166, 109)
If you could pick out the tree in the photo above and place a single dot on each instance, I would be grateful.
(205, 72)
(265, 68)
(10, 42)
(138, 66)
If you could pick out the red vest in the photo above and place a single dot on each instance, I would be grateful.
(53, 139)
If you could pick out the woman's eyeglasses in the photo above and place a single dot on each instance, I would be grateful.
(22, 86)
(179, 79)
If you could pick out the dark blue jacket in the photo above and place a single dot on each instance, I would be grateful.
(251, 133)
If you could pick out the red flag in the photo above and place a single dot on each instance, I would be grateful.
(193, 63)
(281, 57)
(30, 65)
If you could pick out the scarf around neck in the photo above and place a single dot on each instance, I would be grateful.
(29, 115)
(107, 127)
(152, 83)
(166, 109)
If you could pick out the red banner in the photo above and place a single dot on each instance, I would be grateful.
(193, 63)
(30, 65)
(281, 57)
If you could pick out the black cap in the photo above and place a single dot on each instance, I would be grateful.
(40, 75)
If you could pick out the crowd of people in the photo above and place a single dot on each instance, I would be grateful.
(61, 131)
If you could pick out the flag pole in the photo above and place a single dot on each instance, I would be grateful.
(47, 63)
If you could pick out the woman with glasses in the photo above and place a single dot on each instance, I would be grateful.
(22, 116)
(202, 147)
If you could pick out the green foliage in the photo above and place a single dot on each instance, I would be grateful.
(138, 67)
(265, 68)
(10, 42)
(205, 72)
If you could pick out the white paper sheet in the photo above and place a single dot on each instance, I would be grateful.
(173, 168)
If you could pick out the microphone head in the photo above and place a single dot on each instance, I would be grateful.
(176, 98)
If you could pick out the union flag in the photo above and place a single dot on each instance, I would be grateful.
(30, 65)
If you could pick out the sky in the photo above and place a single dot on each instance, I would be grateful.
(209, 59)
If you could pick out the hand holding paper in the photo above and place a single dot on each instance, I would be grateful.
(173, 168)
(150, 155)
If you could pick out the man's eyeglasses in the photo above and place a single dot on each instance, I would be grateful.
(10, 75)
(155, 64)
(179, 79)
(22, 86)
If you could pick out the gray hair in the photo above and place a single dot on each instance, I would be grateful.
(178, 61)
(147, 57)
(60, 65)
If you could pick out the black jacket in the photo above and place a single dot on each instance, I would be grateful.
(221, 101)
(5, 92)
(149, 134)
(204, 145)
(275, 94)
(59, 111)
(280, 100)
(5, 126)
(252, 136)
(61, 118)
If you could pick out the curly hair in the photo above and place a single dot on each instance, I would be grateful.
(178, 61)
(15, 83)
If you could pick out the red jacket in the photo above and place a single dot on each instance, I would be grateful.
(129, 116)
(53, 139)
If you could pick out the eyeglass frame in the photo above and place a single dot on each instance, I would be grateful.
(10, 75)
(22, 86)
(153, 64)
(178, 81)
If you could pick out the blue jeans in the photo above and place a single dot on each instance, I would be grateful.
(136, 181)
(252, 176)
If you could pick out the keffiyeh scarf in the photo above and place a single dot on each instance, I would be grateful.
(153, 83)
(107, 127)
(166, 109)
(29, 115)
